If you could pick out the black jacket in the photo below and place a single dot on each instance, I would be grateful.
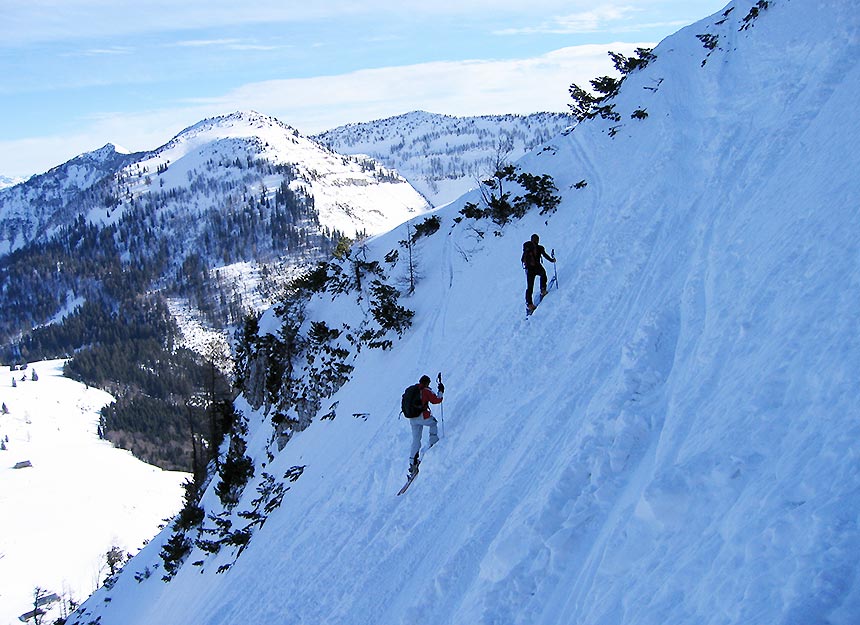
(532, 255)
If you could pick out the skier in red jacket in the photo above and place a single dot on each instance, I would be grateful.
(424, 419)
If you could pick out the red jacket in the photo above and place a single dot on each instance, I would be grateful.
(429, 397)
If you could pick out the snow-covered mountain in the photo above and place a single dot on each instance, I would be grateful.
(27, 210)
(351, 194)
(237, 189)
(73, 497)
(444, 156)
(670, 438)
(241, 197)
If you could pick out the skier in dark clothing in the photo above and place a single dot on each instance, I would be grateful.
(424, 419)
(533, 253)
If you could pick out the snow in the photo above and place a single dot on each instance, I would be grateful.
(672, 437)
(339, 184)
(39, 206)
(444, 156)
(79, 498)
(73, 302)
(195, 332)
(9, 181)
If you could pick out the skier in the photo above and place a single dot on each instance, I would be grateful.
(533, 253)
(424, 419)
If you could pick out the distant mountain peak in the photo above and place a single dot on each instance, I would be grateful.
(106, 151)
(236, 125)
(250, 119)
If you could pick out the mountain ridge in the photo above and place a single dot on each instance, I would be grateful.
(237, 188)
(444, 156)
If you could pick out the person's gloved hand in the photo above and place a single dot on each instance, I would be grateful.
(441, 388)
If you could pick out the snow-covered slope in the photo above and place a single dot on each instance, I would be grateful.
(79, 498)
(49, 199)
(240, 188)
(444, 156)
(670, 438)
(351, 194)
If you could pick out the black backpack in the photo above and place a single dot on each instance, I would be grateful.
(410, 403)
(529, 257)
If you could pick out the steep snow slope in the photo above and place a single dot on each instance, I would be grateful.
(670, 438)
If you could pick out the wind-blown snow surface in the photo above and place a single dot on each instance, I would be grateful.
(80, 497)
(671, 438)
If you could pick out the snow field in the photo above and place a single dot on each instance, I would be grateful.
(80, 497)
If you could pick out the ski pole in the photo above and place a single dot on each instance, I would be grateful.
(555, 270)
(441, 406)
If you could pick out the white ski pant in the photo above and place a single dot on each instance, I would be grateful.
(418, 424)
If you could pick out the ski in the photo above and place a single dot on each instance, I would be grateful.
(408, 482)
(552, 284)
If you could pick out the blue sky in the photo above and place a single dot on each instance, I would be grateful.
(77, 74)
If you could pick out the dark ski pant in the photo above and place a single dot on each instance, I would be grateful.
(531, 274)
(418, 424)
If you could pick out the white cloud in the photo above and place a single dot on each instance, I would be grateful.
(591, 21)
(52, 20)
(203, 43)
(228, 44)
(476, 87)
(109, 51)
(595, 20)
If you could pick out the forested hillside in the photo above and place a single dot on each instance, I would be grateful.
(101, 249)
